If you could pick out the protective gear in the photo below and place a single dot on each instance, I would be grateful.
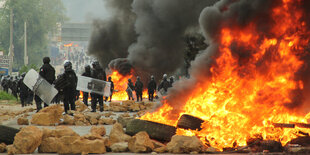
(171, 81)
(87, 68)
(97, 73)
(68, 66)
(165, 76)
(164, 85)
(66, 61)
(96, 65)
(48, 73)
(87, 73)
(46, 60)
(139, 89)
(129, 80)
(151, 87)
(70, 89)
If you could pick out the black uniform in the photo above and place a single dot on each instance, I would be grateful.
(48, 73)
(87, 73)
(171, 81)
(139, 89)
(164, 84)
(69, 96)
(151, 87)
(97, 73)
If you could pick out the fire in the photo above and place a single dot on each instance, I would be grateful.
(68, 45)
(240, 101)
(120, 85)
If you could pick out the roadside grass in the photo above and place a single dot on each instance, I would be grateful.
(6, 98)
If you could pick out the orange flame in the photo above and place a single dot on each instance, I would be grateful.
(120, 84)
(68, 45)
(243, 100)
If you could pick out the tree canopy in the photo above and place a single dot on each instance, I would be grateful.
(41, 17)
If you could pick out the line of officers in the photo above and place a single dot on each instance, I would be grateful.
(151, 87)
(66, 84)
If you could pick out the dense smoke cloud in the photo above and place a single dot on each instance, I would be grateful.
(157, 46)
(111, 38)
(161, 26)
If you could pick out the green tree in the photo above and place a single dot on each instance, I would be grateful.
(41, 17)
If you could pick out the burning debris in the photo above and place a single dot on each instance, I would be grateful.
(251, 76)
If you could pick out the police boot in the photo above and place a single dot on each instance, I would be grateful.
(101, 108)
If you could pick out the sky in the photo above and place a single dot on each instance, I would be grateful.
(85, 10)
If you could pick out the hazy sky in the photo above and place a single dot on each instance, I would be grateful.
(85, 10)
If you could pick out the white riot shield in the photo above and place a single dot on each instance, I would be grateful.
(40, 86)
(87, 84)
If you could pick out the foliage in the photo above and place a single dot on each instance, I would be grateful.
(25, 69)
(6, 96)
(41, 17)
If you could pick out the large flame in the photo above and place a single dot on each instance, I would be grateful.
(243, 100)
(120, 84)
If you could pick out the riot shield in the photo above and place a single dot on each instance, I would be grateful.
(87, 84)
(40, 86)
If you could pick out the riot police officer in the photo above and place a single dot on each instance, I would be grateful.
(97, 73)
(87, 73)
(151, 88)
(69, 89)
(47, 71)
(139, 89)
(164, 85)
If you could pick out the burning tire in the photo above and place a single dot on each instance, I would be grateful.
(157, 131)
(189, 122)
(7, 134)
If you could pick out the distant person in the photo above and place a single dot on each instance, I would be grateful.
(151, 88)
(164, 85)
(47, 72)
(23, 93)
(171, 81)
(139, 89)
(130, 89)
(87, 73)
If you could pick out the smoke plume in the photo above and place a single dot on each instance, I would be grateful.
(156, 41)
(111, 38)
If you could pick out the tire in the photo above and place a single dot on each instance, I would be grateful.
(7, 134)
(157, 131)
(189, 122)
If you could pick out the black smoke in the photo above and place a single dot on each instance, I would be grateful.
(111, 38)
(159, 26)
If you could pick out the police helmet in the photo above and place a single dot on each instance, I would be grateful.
(46, 60)
(68, 65)
(87, 68)
(165, 76)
